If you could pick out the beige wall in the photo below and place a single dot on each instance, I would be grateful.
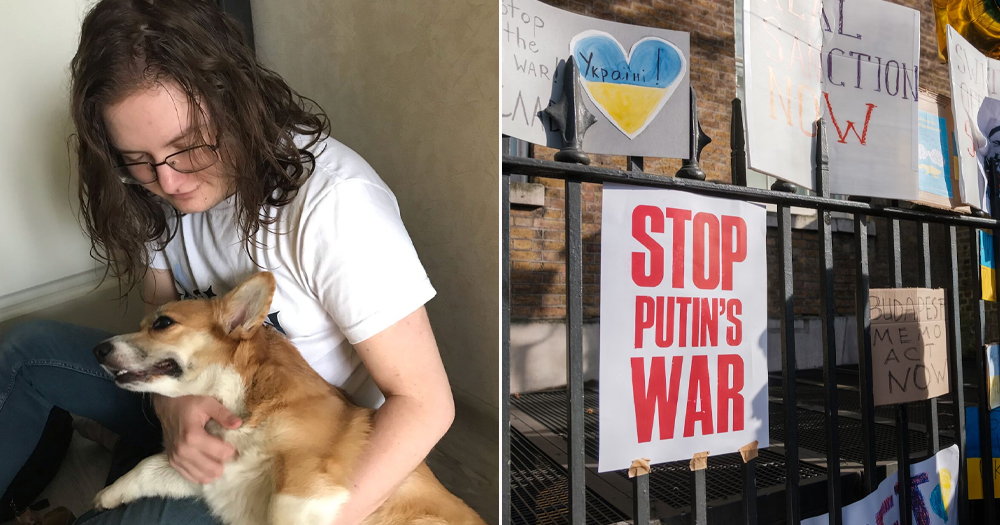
(44, 256)
(413, 87)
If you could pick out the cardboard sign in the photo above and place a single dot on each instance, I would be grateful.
(933, 496)
(938, 162)
(909, 344)
(635, 80)
(854, 63)
(974, 452)
(683, 326)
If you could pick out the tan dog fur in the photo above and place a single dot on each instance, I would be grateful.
(300, 437)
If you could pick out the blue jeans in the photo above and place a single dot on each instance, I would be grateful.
(45, 364)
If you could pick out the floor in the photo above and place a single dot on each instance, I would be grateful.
(81, 475)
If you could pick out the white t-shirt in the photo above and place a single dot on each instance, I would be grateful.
(344, 264)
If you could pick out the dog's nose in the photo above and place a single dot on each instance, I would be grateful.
(102, 350)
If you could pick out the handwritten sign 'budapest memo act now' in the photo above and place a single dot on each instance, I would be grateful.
(852, 62)
(683, 326)
(909, 344)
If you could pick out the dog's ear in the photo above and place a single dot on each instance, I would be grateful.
(245, 307)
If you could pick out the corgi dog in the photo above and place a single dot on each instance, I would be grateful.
(300, 437)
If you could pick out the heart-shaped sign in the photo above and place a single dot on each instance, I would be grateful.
(629, 89)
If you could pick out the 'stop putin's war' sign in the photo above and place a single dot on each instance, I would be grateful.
(683, 326)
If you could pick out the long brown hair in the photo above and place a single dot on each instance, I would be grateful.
(128, 45)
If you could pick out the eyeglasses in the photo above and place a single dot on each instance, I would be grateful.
(189, 160)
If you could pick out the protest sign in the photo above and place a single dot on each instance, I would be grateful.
(933, 496)
(870, 83)
(974, 452)
(993, 372)
(683, 326)
(938, 163)
(988, 124)
(854, 62)
(986, 266)
(782, 50)
(636, 80)
(909, 344)
(973, 79)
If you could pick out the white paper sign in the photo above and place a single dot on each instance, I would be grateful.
(782, 49)
(872, 54)
(968, 70)
(988, 126)
(933, 496)
(683, 326)
(854, 62)
(635, 80)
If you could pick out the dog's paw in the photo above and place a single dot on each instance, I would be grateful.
(108, 499)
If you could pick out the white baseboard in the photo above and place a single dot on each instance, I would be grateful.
(52, 293)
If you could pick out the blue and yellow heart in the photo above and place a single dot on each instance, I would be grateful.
(628, 89)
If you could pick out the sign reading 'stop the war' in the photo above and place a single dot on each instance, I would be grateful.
(634, 79)
(683, 326)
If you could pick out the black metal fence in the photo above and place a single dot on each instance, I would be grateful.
(574, 462)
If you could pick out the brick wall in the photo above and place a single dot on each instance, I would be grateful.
(537, 235)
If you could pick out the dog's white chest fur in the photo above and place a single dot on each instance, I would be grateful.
(242, 493)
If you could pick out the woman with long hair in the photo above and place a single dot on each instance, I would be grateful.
(199, 167)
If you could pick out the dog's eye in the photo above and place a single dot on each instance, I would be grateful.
(162, 322)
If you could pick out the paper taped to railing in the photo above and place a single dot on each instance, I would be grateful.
(853, 63)
(974, 452)
(683, 326)
(909, 344)
(933, 496)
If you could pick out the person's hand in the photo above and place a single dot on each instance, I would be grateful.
(197, 455)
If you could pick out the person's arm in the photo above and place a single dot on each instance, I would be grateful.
(193, 452)
(405, 363)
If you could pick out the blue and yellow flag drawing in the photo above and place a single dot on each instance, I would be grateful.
(987, 266)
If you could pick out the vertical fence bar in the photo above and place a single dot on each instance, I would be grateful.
(749, 471)
(902, 418)
(931, 406)
(699, 501)
(982, 378)
(957, 380)
(827, 311)
(738, 176)
(792, 504)
(505, 343)
(865, 381)
(640, 483)
(640, 499)
(989, 485)
(574, 349)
